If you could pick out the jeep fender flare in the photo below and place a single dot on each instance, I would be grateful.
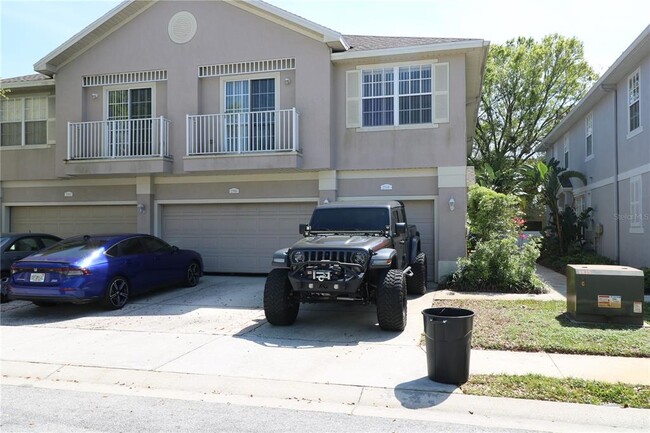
(280, 258)
(383, 259)
(414, 248)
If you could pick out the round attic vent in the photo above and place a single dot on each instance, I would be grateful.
(182, 27)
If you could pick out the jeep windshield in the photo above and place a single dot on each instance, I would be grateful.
(343, 220)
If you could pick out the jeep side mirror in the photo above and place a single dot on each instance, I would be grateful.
(304, 229)
(400, 228)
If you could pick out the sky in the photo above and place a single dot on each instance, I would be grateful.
(31, 29)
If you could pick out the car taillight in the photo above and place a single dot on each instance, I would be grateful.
(74, 272)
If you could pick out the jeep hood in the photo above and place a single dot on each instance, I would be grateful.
(330, 242)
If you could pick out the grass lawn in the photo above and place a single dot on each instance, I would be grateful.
(570, 390)
(541, 326)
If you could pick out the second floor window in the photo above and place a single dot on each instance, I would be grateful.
(397, 96)
(413, 95)
(23, 121)
(589, 135)
(633, 98)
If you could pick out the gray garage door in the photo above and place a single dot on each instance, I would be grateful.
(67, 221)
(238, 238)
(420, 213)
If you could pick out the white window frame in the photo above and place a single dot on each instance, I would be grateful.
(249, 78)
(634, 98)
(355, 101)
(589, 136)
(579, 204)
(108, 89)
(636, 204)
(23, 121)
(565, 155)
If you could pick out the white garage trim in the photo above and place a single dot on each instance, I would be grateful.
(389, 197)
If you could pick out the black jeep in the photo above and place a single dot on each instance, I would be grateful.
(351, 252)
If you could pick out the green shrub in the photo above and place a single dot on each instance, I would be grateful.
(646, 285)
(492, 214)
(498, 265)
(496, 262)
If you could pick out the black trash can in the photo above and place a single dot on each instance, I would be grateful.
(448, 334)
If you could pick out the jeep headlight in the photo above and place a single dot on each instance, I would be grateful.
(297, 257)
(359, 257)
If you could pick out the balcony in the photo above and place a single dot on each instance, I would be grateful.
(240, 141)
(139, 146)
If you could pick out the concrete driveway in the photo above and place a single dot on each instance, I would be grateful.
(218, 328)
(212, 343)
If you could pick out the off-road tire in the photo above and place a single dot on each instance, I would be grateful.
(280, 306)
(391, 301)
(417, 284)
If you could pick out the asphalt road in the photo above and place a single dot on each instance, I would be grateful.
(29, 409)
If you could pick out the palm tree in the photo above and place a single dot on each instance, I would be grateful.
(550, 178)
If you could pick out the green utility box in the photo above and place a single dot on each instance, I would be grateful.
(605, 294)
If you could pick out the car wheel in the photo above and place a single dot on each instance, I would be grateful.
(391, 301)
(417, 284)
(280, 305)
(116, 294)
(3, 289)
(192, 275)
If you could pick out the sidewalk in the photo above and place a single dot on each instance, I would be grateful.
(212, 343)
(601, 368)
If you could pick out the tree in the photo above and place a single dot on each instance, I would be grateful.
(528, 89)
(550, 178)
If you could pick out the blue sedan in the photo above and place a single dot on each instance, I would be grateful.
(102, 268)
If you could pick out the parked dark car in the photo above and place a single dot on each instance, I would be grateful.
(15, 246)
(102, 268)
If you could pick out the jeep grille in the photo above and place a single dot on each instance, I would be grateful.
(344, 256)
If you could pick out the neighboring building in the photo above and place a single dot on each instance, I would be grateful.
(607, 137)
(220, 125)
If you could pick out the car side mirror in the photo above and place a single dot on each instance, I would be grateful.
(304, 229)
(400, 228)
(175, 249)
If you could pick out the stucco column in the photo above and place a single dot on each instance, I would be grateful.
(327, 186)
(452, 217)
(145, 197)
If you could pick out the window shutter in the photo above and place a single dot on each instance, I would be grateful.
(352, 99)
(51, 120)
(441, 93)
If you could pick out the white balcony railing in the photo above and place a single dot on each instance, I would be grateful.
(111, 139)
(237, 133)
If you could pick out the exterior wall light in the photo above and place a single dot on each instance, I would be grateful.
(452, 203)
(141, 208)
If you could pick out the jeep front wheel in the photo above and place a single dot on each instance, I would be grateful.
(391, 301)
(417, 283)
(280, 306)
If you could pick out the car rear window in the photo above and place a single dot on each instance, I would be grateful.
(350, 219)
(74, 246)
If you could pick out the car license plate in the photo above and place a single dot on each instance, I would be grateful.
(37, 277)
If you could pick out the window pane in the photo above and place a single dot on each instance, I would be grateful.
(141, 103)
(634, 116)
(11, 110)
(10, 134)
(36, 108)
(36, 132)
(378, 111)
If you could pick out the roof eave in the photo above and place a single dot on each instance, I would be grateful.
(416, 49)
(610, 78)
(47, 66)
(28, 84)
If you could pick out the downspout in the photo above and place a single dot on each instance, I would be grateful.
(612, 88)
